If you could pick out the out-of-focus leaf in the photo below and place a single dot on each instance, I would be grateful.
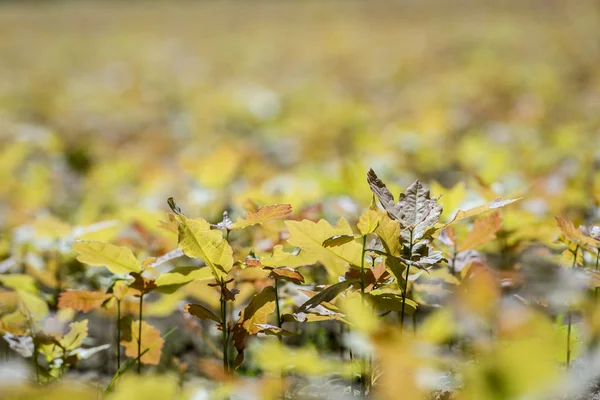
(83, 354)
(82, 300)
(74, 338)
(266, 213)
(151, 340)
(145, 387)
(119, 260)
(22, 282)
(576, 234)
(494, 204)
(21, 344)
(484, 230)
(201, 312)
(32, 306)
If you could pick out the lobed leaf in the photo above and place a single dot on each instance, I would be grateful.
(266, 213)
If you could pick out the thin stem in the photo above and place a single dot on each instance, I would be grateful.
(118, 334)
(139, 366)
(406, 281)
(454, 253)
(279, 322)
(362, 267)
(224, 328)
(35, 347)
(569, 338)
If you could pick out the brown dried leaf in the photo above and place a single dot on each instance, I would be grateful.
(287, 274)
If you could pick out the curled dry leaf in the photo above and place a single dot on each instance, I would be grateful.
(82, 300)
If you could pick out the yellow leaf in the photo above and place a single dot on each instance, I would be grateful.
(183, 275)
(19, 282)
(119, 260)
(389, 233)
(150, 340)
(281, 258)
(369, 220)
(266, 213)
(197, 240)
(74, 338)
(32, 306)
(309, 236)
(484, 230)
(359, 313)
(494, 204)
(49, 226)
(145, 387)
(450, 198)
(575, 234)
(82, 300)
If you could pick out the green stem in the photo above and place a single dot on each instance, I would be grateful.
(279, 322)
(406, 281)
(118, 334)
(224, 329)
(139, 366)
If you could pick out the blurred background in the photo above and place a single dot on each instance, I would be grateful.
(107, 105)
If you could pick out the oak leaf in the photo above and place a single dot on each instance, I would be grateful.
(82, 300)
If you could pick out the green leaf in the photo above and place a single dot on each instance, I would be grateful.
(178, 277)
(119, 260)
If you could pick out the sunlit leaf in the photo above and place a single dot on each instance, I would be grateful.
(484, 230)
(151, 340)
(266, 213)
(119, 260)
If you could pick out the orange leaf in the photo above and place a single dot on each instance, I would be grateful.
(575, 234)
(150, 340)
(484, 230)
(82, 300)
(266, 213)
